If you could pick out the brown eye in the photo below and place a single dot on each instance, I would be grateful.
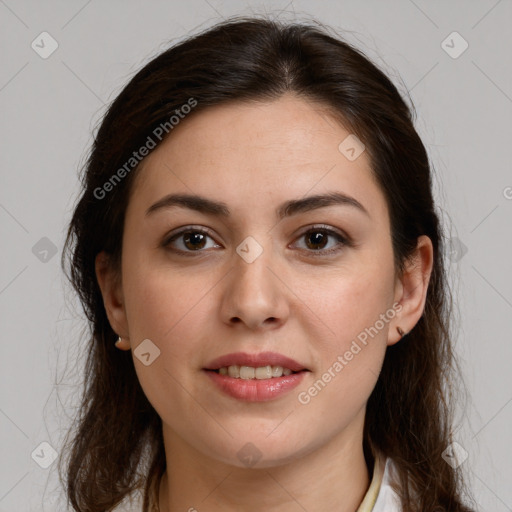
(194, 240)
(189, 241)
(319, 241)
(318, 238)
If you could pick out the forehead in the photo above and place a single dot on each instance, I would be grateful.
(253, 153)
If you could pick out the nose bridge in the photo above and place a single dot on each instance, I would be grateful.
(254, 294)
(252, 261)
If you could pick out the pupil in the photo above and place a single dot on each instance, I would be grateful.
(193, 238)
(317, 237)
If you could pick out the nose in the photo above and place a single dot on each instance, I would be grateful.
(254, 294)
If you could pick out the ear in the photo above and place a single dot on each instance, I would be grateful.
(411, 289)
(110, 285)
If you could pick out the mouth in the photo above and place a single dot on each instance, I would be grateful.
(255, 377)
(255, 384)
(264, 365)
(255, 373)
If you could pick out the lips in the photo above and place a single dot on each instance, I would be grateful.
(255, 360)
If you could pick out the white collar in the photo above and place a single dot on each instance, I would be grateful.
(387, 499)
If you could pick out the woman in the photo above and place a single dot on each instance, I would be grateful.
(257, 231)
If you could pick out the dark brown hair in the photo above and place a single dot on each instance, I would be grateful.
(116, 446)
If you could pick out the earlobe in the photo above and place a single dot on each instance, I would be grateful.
(111, 291)
(122, 344)
(411, 289)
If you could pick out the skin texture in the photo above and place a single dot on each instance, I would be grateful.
(288, 300)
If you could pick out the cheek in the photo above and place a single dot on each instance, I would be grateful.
(166, 309)
(160, 303)
(352, 302)
(349, 362)
(355, 313)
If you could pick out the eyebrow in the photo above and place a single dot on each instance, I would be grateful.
(287, 209)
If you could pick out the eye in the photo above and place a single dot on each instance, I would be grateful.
(193, 240)
(190, 240)
(317, 238)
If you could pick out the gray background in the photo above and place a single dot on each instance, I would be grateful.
(50, 107)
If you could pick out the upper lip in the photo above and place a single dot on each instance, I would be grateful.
(255, 360)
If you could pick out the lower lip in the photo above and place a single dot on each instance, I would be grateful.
(256, 390)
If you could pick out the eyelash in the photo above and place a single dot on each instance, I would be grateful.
(342, 239)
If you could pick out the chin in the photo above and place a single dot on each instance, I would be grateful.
(259, 452)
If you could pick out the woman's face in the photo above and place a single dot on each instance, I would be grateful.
(258, 278)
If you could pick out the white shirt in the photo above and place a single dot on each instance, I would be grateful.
(387, 498)
(380, 496)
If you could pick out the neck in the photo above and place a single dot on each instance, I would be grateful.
(334, 476)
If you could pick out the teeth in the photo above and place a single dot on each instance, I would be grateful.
(249, 372)
(264, 372)
(234, 371)
(277, 371)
